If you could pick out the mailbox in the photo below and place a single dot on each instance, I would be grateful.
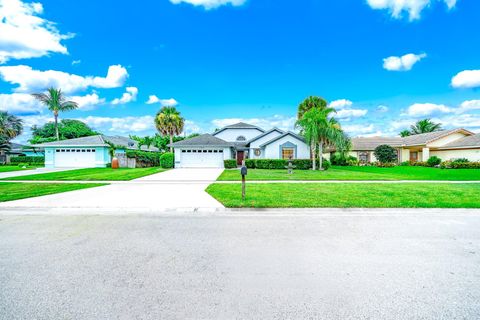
(243, 171)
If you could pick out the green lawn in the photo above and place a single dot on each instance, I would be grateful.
(358, 173)
(348, 195)
(14, 168)
(92, 174)
(14, 190)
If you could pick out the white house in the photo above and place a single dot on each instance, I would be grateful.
(239, 141)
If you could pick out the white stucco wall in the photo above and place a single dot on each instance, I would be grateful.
(256, 145)
(231, 135)
(272, 151)
(470, 154)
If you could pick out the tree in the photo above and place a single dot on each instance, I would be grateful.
(67, 128)
(405, 133)
(385, 154)
(56, 102)
(425, 126)
(169, 122)
(310, 103)
(10, 126)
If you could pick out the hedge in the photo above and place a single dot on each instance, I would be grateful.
(230, 164)
(144, 158)
(459, 165)
(28, 160)
(167, 160)
(300, 164)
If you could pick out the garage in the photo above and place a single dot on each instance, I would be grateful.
(201, 158)
(74, 157)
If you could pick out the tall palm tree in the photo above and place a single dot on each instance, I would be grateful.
(425, 126)
(310, 103)
(169, 122)
(10, 126)
(55, 102)
(309, 128)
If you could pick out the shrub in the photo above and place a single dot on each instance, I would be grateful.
(405, 163)
(434, 161)
(250, 163)
(419, 164)
(230, 164)
(167, 160)
(270, 163)
(144, 158)
(461, 160)
(27, 160)
(385, 153)
(326, 164)
(299, 164)
(384, 164)
(459, 165)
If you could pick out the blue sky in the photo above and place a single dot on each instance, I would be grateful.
(382, 63)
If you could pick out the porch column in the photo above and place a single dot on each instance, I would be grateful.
(405, 155)
(425, 154)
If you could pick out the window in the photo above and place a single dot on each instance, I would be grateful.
(241, 138)
(363, 156)
(57, 150)
(288, 153)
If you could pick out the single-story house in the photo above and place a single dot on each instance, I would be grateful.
(86, 152)
(445, 144)
(239, 141)
(20, 150)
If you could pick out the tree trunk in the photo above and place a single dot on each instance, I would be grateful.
(313, 150)
(171, 141)
(55, 115)
(320, 155)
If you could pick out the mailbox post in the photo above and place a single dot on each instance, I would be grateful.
(243, 172)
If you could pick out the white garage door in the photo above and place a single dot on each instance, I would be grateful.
(201, 158)
(74, 158)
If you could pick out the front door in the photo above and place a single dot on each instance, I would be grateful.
(414, 156)
(240, 156)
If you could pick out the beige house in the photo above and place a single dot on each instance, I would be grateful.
(445, 144)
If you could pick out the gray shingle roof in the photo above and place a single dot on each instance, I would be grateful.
(266, 133)
(289, 133)
(370, 143)
(468, 141)
(97, 141)
(424, 138)
(205, 140)
(240, 125)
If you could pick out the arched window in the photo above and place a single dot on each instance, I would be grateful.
(241, 138)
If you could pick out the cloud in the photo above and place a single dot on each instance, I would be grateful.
(128, 96)
(88, 102)
(163, 102)
(354, 130)
(74, 62)
(425, 109)
(470, 105)
(210, 4)
(19, 102)
(341, 103)
(403, 63)
(350, 113)
(382, 108)
(23, 34)
(120, 125)
(30, 80)
(466, 79)
(280, 121)
(413, 7)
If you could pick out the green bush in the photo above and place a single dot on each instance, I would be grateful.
(37, 161)
(299, 164)
(461, 160)
(434, 161)
(405, 163)
(385, 154)
(339, 159)
(384, 164)
(420, 164)
(326, 164)
(167, 160)
(459, 165)
(230, 164)
(144, 158)
(250, 163)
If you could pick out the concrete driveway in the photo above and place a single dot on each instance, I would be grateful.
(170, 190)
(30, 172)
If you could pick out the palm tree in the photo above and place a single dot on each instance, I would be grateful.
(55, 102)
(309, 129)
(425, 126)
(405, 133)
(310, 103)
(169, 122)
(10, 126)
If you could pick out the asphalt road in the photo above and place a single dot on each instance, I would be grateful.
(241, 266)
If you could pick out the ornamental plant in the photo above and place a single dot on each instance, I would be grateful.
(385, 154)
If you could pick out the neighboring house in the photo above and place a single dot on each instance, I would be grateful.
(20, 150)
(445, 144)
(239, 141)
(86, 152)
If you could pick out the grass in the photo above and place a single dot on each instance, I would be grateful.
(348, 195)
(15, 191)
(358, 173)
(8, 168)
(91, 174)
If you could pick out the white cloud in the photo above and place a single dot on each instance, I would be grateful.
(470, 105)
(120, 125)
(350, 113)
(74, 62)
(191, 127)
(163, 102)
(358, 129)
(403, 63)
(466, 79)
(425, 109)
(30, 80)
(279, 121)
(87, 102)
(23, 34)
(412, 7)
(19, 102)
(128, 96)
(210, 4)
(382, 108)
(341, 103)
